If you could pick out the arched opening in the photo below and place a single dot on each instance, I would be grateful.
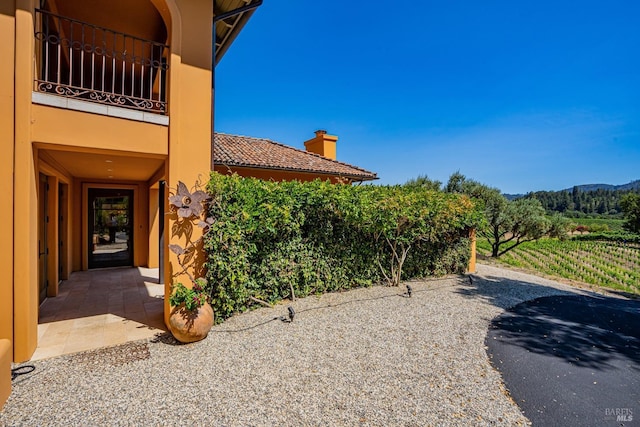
(107, 51)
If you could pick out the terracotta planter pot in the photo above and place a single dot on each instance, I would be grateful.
(190, 326)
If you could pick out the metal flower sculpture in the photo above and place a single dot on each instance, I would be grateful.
(189, 207)
(188, 203)
(191, 316)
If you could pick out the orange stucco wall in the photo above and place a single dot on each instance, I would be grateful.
(7, 50)
(62, 206)
(275, 175)
(5, 370)
(189, 109)
(25, 202)
(153, 260)
(154, 226)
(89, 131)
(323, 144)
(78, 221)
(52, 231)
(76, 225)
(472, 261)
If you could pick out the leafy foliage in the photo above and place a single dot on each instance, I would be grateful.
(597, 225)
(579, 202)
(559, 226)
(508, 224)
(270, 241)
(610, 236)
(192, 298)
(423, 181)
(631, 206)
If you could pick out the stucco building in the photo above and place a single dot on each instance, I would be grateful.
(266, 159)
(102, 105)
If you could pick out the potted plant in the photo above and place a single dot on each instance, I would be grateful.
(191, 316)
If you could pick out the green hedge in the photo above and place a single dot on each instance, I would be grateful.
(612, 236)
(271, 239)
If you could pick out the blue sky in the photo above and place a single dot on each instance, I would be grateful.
(519, 95)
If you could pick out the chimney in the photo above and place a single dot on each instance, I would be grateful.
(322, 144)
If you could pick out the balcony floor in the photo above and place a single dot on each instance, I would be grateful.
(100, 308)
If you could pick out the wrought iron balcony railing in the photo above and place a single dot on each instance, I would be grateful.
(79, 60)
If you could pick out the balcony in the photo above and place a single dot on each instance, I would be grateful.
(75, 59)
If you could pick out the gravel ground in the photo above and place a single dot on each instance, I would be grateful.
(368, 357)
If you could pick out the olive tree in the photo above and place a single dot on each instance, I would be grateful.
(424, 182)
(508, 224)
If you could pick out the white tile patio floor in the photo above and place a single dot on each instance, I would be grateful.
(100, 308)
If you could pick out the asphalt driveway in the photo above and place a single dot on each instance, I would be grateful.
(571, 360)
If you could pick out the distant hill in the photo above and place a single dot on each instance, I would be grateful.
(633, 185)
(513, 196)
(589, 199)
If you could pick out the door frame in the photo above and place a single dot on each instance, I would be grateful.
(58, 229)
(85, 216)
(43, 236)
(63, 194)
(110, 193)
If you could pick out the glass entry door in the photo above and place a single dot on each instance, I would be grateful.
(110, 228)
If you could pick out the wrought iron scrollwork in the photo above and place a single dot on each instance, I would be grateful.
(102, 97)
(85, 61)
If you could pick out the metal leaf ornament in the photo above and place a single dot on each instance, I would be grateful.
(206, 223)
(177, 249)
(188, 203)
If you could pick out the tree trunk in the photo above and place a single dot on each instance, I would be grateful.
(495, 250)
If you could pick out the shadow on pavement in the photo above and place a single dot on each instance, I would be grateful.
(570, 360)
(492, 290)
(583, 330)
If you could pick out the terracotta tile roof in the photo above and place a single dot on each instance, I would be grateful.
(236, 150)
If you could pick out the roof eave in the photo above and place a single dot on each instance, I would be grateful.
(294, 170)
(229, 38)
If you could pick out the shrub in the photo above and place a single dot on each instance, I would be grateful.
(269, 241)
(599, 228)
(616, 236)
(581, 228)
